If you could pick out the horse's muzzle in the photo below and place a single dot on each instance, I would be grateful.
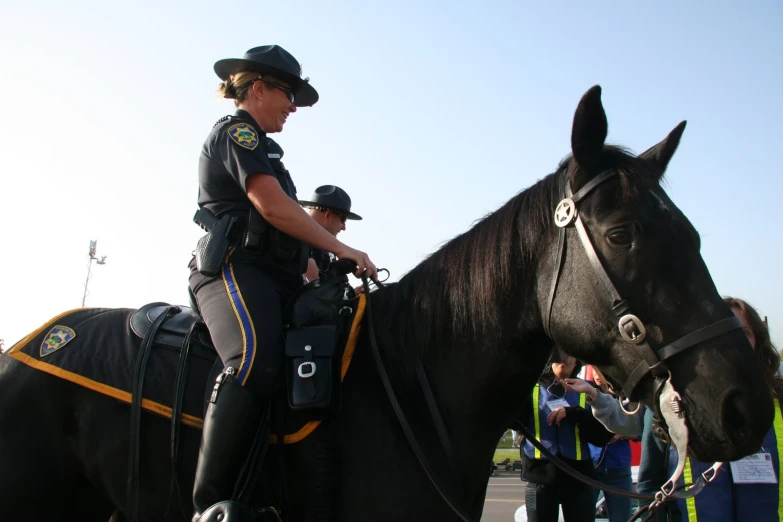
(745, 420)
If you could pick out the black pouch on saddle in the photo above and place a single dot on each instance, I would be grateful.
(315, 327)
(309, 355)
(212, 249)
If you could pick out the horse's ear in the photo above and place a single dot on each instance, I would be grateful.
(588, 134)
(662, 153)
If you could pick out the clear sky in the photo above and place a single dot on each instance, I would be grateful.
(432, 114)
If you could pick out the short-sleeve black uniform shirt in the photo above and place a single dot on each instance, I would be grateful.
(236, 149)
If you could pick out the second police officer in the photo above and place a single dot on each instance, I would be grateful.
(330, 207)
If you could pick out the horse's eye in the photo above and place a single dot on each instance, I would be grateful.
(620, 238)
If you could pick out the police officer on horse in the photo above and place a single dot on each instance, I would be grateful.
(252, 259)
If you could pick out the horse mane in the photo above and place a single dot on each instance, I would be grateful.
(465, 286)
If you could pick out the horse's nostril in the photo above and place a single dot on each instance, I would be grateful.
(737, 420)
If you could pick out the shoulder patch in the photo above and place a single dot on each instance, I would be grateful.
(55, 339)
(244, 135)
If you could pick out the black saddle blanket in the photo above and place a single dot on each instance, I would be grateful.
(97, 348)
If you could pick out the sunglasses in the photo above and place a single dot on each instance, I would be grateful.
(280, 87)
(341, 217)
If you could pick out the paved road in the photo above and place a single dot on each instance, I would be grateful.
(505, 493)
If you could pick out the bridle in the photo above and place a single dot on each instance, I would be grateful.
(632, 330)
(668, 403)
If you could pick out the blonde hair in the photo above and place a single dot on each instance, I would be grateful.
(237, 85)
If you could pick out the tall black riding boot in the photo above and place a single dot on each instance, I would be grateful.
(230, 426)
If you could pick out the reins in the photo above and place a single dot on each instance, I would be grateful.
(447, 496)
(659, 499)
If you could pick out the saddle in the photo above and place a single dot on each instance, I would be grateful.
(317, 318)
(173, 331)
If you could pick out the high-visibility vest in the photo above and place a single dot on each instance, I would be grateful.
(724, 501)
(564, 440)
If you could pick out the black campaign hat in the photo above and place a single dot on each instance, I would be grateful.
(275, 61)
(333, 198)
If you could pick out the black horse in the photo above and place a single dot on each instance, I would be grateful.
(482, 315)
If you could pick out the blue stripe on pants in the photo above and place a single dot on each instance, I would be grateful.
(248, 330)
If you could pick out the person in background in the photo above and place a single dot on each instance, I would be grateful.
(562, 421)
(653, 467)
(613, 465)
(747, 490)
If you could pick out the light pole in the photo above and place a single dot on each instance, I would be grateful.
(93, 257)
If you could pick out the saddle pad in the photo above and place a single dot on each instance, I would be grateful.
(95, 348)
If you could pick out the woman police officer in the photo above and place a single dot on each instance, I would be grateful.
(242, 302)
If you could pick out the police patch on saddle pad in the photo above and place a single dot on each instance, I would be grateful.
(95, 348)
(244, 135)
(55, 339)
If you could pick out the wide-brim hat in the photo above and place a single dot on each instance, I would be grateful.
(333, 198)
(275, 61)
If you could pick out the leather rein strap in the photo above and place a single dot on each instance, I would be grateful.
(677, 494)
(447, 496)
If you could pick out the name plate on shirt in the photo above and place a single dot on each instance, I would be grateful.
(754, 469)
(557, 403)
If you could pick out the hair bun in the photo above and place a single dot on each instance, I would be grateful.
(227, 89)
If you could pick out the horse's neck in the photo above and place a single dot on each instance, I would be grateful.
(478, 370)
(479, 389)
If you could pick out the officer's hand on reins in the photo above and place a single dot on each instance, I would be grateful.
(364, 266)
